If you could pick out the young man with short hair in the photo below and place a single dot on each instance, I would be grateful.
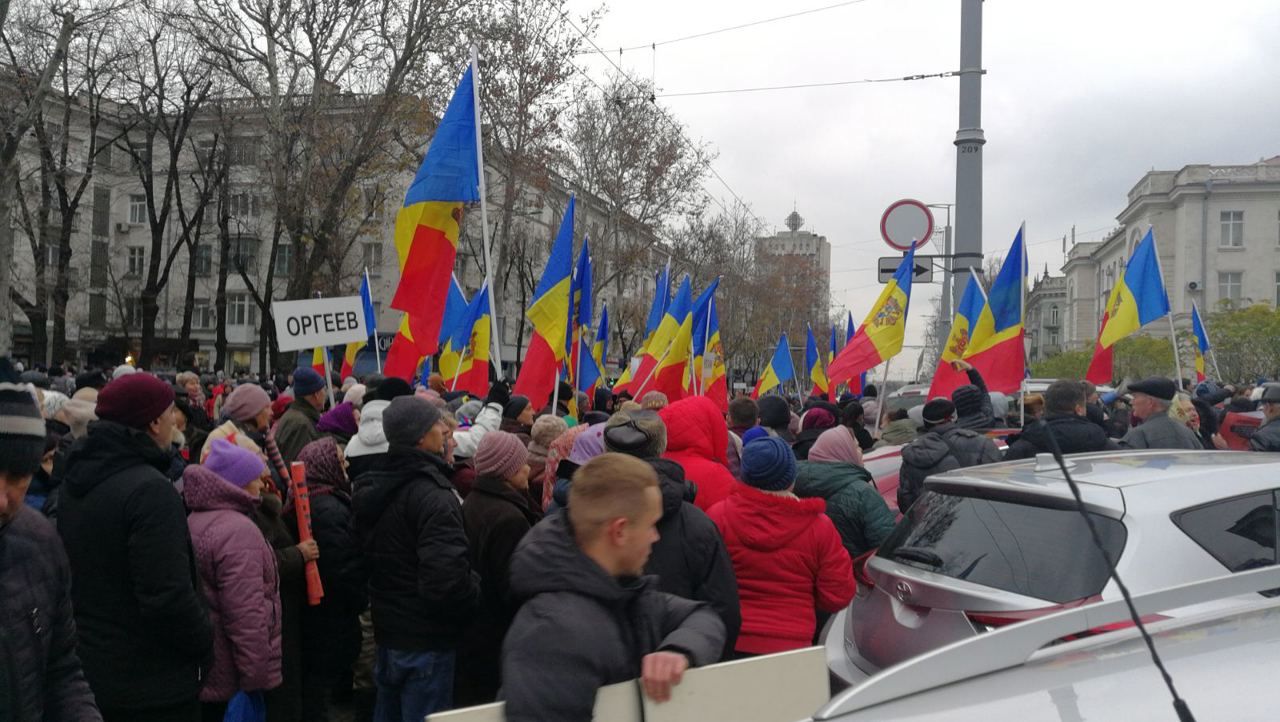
(590, 618)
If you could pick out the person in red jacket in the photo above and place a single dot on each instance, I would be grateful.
(786, 553)
(698, 440)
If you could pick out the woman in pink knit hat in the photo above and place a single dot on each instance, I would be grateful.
(496, 515)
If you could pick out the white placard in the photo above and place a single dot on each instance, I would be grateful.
(316, 322)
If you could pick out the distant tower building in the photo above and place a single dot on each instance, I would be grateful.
(815, 249)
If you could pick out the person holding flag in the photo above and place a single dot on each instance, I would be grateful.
(549, 313)
(778, 371)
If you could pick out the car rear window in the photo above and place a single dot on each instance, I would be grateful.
(1239, 532)
(1016, 547)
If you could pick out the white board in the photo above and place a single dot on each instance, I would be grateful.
(319, 322)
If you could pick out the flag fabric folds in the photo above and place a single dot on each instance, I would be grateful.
(702, 336)
(813, 362)
(945, 378)
(1202, 341)
(1101, 365)
(779, 370)
(427, 226)
(593, 370)
(366, 301)
(403, 355)
(883, 330)
(996, 347)
(579, 315)
(471, 339)
(455, 313)
(661, 298)
(549, 314)
(349, 358)
(1139, 296)
(317, 361)
(716, 386)
(668, 357)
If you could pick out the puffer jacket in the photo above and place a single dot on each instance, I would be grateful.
(790, 565)
(698, 440)
(943, 448)
(238, 578)
(897, 432)
(854, 505)
(370, 440)
(1074, 434)
(40, 674)
(467, 440)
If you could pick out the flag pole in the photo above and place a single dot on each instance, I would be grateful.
(1173, 332)
(496, 340)
(706, 339)
(555, 394)
(328, 375)
(1022, 313)
(377, 354)
(1213, 355)
(884, 394)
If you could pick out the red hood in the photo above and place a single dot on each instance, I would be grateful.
(696, 426)
(768, 521)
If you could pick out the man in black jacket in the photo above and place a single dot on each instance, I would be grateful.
(1064, 417)
(689, 559)
(973, 400)
(40, 674)
(422, 589)
(943, 446)
(591, 619)
(145, 636)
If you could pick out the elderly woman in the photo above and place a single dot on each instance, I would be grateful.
(834, 473)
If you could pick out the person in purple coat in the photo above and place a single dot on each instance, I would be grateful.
(238, 576)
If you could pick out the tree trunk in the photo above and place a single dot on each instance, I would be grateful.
(8, 187)
(150, 309)
(61, 294)
(224, 259)
(189, 296)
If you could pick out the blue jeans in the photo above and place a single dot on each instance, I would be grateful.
(412, 685)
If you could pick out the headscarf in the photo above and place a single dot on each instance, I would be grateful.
(558, 451)
(324, 467)
(588, 445)
(817, 418)
(836, 444)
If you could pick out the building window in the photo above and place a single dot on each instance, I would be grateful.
(373, 258)
(101, 211)
(103, 149)
(241, 310)
(98, 259)
(244, 254)
(1053, 339)
(284, 260)
(1278, 289)
(201, 314)
(97, 311)
(204, 260)
(132, 311)
(137, 260)
(137, 210)
(1232, 225)
(1053, 315)
(242, 151)
(1229, 283)
(245, 205)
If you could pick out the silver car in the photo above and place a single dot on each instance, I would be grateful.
(990, 546)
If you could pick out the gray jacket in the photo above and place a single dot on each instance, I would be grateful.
(1267, 437)
(582, 629)
(1159, 431)
(942, 448)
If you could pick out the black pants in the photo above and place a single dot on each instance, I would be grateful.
(182, 712)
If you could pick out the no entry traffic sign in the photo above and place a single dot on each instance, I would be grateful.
(905, 221)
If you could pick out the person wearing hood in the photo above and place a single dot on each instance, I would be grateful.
(972, 400)
(698, 440)
(943, 446)
(834, 473)
(237, 574)
(814, 421)
(900, 429)
(370, 441)
(297, 427)
(422, 588)
(590, 617)
(775, 416)
(517, 418)
(786, 552)
(340, 423)
(1064, 418)
(689, 559)
(145, 637)
(546, 430)
(496, 515)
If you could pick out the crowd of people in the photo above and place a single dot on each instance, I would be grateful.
(154, 565)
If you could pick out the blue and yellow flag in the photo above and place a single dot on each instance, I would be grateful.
(661, 298)
(945, 378)
(813, 362)
(779, 371)
(882, 332)
(549, 314)
(1139, 296)
(702, 333)
(996, 347)
(1202, 341)
(593, 369)
(667, 363)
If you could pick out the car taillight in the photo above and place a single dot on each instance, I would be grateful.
(988, 621)
(864, 580)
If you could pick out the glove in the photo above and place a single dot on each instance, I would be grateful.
(499, 393)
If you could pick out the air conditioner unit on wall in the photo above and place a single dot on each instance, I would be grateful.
(122, 228)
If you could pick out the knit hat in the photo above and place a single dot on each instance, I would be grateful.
(306, 382)
(938, 411)
(768, 464)
(836, 444)
(407, 419)
(753, 433)
(279, 406)
(245, 402)
(546, 429)
(341, 419)
(636, 433)
(774, 412)
(355, 395)
(123, 370)
(968, 399)
(515, 407)
(233, 463)
(134, 400)
(21, 427)
(392, 387)
(817, 418)
(500, 454)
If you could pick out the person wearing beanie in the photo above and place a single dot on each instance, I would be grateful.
(248, 412)
(775, 416)
(145, 633)
(853, 417)
(814, 421)
(297, 427)
(40, 658)
(546, 429)
(496, 515)
(788, 557)
(698, 440)
(340, 423)
(942, 445)
(689, 559)
(973, 401)
(370, 442)
(238, 576)
(654, 401)
(422, 589)
(518, 417)
(834, 473)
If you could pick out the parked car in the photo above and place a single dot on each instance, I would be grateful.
(989, 546)
(1221, 661)
(884, 464)
(906, 397)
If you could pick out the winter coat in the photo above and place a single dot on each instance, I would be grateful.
(733, 453)
(698, 440)
(370, 440)
(145, 636)
(1074, 434)
(790, 564)
(511, 426)
(468, 440)
(496, 517)
(238, 578)
(804, 441)
(897, 432)
(581, 629)
(984, 416)
(943, 448)
(857, 509)
(408, 522)
(40, 674)
(1266, 437)
(1159, 431)
(285, 701)
(296, 429)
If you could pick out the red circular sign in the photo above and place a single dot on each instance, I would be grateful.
(904, 221)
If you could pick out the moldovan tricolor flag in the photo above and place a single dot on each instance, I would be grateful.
(813, 362)
(779, 371)
(349, 358)
(675, 339)
(856, 385)
(996, 346)
(317, 361)
(472, 338)
(880, 337)
(579, 316)
(549, 314)
(716, 387)
(426, 234)
(946, 379)
(1139, 296)
(403, 355)
(456, 311)
(600, 350)
(1202, 341)
(701, 336)
(661, 299)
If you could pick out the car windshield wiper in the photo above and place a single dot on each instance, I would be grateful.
(916, 554)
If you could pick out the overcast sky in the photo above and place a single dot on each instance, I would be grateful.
(1080, 99)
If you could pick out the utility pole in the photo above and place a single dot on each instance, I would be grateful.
(969, 142)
